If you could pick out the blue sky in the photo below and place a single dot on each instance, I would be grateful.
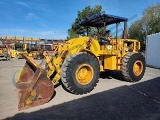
(52, 18)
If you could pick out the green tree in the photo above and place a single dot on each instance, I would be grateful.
(148, 24)
(151, 19)
(72, 34)
(76, 29)
(136, 32)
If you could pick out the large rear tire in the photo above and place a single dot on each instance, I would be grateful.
(133, 67)
(80, 73)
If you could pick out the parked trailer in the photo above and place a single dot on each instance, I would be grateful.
(153, 50)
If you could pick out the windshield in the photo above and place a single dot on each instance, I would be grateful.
(19, 47)
(46, 47)
(33, 47)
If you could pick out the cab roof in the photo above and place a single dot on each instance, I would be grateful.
(98, 20)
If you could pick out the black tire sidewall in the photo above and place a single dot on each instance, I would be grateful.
(135, 57)
(83, 58)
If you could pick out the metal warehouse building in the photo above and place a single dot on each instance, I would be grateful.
(153, 50)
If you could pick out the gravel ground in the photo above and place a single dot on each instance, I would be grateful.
(113, 98)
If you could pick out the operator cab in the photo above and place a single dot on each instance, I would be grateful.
(101, 21)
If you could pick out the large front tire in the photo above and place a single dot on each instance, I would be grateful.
(80, 73)
(133, 67)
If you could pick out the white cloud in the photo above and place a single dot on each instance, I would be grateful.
(46, 33)
(31, 16)
(49, 34)
(22, 4)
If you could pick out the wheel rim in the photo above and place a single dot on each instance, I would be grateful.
(138, 67)
(84, 74)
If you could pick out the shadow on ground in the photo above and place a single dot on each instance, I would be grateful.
(3, 59)
(112, 74)
(136, 102)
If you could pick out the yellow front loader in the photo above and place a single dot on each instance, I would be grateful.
(78, 63)
(17, 49)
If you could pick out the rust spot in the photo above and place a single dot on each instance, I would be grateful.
(34, 87)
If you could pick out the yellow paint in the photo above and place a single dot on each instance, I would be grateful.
(110, 62)
(15, 53)
(31, 98)
(137, 67)
(84, 74)
(109, 56)
(19, 39)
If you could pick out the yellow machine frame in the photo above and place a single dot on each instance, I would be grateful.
(16, 53)
(109, 54)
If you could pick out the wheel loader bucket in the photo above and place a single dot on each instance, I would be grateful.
(33, 86)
